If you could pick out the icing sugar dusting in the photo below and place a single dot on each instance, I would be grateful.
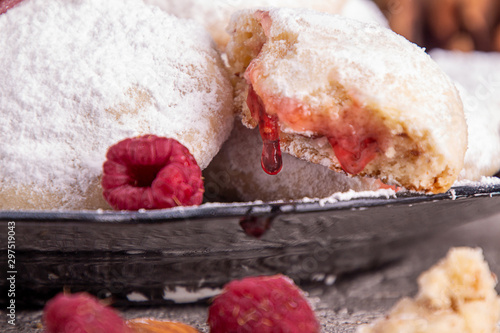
(84, 74)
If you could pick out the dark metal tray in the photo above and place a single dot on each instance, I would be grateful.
(187, 254)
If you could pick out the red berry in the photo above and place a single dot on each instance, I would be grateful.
(265, 304)
(151, 172)
(81, 313)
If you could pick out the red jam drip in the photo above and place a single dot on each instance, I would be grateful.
(269, 131)
(354, 153)
(256, 226)
(5, 5)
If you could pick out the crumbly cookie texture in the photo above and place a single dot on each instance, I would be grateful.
(457, 295)
(367, 90)
(83, 75)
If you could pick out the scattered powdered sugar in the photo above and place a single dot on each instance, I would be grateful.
(483, 181)
(390, 193)
(80, 75)
(380, 193)
(181, 295)
(350, 195)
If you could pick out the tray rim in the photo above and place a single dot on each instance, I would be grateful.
(233, 210)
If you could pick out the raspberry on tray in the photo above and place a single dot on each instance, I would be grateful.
(151, 172)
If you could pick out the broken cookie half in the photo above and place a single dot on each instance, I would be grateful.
(456, 295)
(352, 96)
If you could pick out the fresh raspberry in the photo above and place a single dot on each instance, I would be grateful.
(5, 5)
(81, 313)
(265, 304)
(151, 172)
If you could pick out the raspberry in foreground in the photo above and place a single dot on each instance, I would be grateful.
(81, 313)
(265, 304)
(151, 172)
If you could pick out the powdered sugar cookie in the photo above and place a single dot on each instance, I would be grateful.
(235, 174)
(215, 14)
(83, 75)
(477, 76)
(385, 107)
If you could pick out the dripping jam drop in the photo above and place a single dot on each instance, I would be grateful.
(271, 160)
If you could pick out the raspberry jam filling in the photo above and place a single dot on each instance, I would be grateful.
(354, 153)
(353, 149)
(269, 131)
(354, 139)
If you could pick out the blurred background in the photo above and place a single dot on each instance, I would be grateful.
(463, 25)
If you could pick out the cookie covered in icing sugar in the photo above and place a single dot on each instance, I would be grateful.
(83, 75)
(387, 110)
(215, 14)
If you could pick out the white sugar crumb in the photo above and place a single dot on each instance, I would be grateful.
(483, 181)
(136, 297)
(351, 194)
(83, 75)
(453, 194)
